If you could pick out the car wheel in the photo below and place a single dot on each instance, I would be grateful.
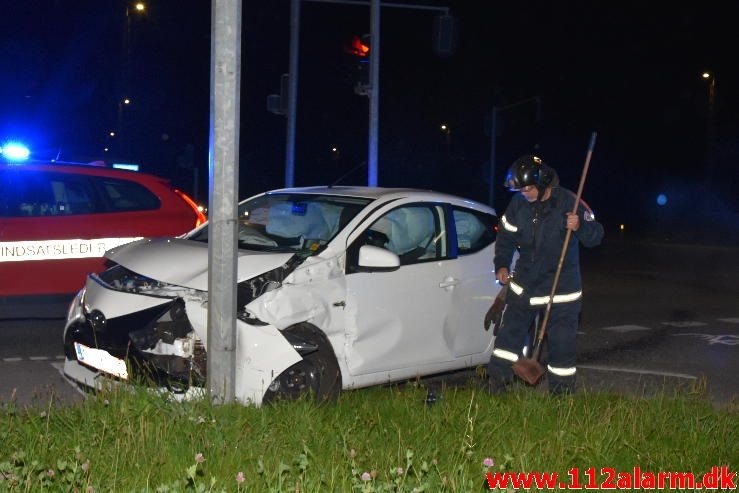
(316, 375)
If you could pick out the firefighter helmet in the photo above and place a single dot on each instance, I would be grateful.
(529, 170)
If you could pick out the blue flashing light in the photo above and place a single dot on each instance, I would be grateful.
(130, 167)
(661, 199)
(14, 151)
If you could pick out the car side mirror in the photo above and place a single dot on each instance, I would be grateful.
(376, 259)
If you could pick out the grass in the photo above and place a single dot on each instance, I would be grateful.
(380, 439)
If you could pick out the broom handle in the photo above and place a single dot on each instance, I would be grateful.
(568, 234)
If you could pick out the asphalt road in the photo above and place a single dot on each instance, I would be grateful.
(657, 316)
(661, 315)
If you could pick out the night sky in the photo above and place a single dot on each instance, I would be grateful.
(629, 70)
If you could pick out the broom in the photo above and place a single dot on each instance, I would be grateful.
(529, 369)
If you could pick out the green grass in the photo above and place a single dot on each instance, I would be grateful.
(128, 442)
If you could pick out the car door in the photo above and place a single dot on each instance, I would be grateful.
(474, 236)
(395, 319)
(43, 247)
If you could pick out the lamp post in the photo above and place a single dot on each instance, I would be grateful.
(493, 137)
(133, 9)
(711, 136)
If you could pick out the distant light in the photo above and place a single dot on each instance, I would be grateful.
(621, 227)
(706, 75)
(15, 151)
(443, 127)
(360, 46)
(661, 199)
(129, 167)
(140, 6)
(334, 149)
(112, 134)
(106, 149)
(126, 101)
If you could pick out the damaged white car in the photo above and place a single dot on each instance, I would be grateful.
(338, 288)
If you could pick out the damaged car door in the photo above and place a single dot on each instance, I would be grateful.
(396, 318)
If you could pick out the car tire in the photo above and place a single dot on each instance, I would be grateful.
(317, 375)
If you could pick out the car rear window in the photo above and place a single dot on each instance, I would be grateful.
(33, 193)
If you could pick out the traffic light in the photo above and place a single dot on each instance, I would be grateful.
(360, 46)
(359, 51)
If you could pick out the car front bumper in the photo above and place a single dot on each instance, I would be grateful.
(162, 341)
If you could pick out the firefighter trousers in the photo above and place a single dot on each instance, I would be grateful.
(514, 335)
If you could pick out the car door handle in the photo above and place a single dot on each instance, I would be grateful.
(448, 283)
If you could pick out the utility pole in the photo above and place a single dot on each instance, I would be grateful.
(374, 92)
(711, 133)
(225, 100)
(292, 93)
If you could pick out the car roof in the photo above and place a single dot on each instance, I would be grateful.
(386, 194)
(78, 168)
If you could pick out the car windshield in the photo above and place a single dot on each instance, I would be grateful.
(294, 223)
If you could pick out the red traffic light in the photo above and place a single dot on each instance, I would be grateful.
(360, 46)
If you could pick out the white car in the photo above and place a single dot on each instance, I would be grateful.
(338, 288)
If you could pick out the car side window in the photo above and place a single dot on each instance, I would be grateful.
(123, 196)
(475, 230)
(34, 194)
(74, 195)
(414, 232)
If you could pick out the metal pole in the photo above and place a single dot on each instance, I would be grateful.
(292, 95)
(374, 103)
(493, 138)
(223, 169)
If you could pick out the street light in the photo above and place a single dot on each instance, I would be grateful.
(711, 134)
(711, 78)
(140, 7)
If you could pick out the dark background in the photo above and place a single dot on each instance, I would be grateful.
(629, 70)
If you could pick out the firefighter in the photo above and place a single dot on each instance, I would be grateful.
(535, 224)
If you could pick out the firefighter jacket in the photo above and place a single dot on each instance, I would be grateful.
(537, 231)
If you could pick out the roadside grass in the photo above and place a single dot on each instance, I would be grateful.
(373, 440)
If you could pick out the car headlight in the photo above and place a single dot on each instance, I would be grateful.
(122, 279)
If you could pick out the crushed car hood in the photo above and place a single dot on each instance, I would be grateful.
(185, 263)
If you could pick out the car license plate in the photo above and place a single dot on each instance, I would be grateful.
(102, 360)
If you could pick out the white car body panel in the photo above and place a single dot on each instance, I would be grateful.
(262, 353)
(185, 263)
(418, 319)
(473, 294)
(386, 326)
